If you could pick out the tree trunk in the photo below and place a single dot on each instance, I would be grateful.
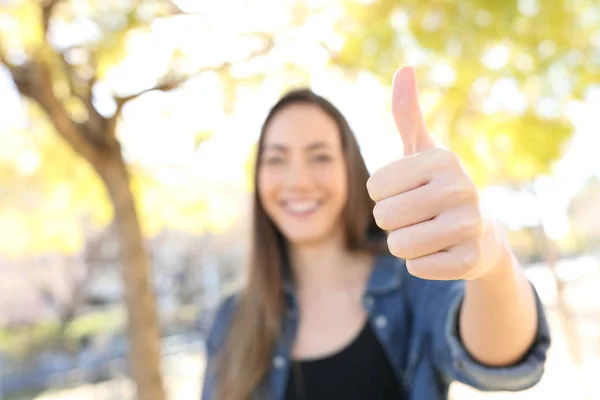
(144, 338)
(96, 143)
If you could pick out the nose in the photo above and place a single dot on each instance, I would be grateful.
(298, 175)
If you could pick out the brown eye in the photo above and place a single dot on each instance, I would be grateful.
(321, 158)
(273, 160)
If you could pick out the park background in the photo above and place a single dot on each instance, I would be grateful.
(127, 135)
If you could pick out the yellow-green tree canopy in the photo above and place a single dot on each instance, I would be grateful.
(90, 48)
(496, 76)
(77, 66)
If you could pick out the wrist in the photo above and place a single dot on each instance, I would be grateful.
(503, 268)
(501, 264)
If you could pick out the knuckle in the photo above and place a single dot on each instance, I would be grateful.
(471, 225)
(462, 191)
(465, 189)
(472, 191)
(446, 158)
(478, 223)
(449, 195)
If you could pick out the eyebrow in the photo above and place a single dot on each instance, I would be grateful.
(309, 147)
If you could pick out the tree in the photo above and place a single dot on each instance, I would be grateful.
(60, 83)
(495, 77)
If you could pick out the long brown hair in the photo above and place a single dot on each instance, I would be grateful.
(246, 356)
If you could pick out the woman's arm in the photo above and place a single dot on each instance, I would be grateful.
(498, 318)
(472, 305)
(438, 309)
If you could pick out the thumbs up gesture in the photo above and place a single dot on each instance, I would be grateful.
(428, 203)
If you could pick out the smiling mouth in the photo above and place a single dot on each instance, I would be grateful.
(301, 208)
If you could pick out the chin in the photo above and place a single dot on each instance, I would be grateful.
(304, 241)
(297, 238)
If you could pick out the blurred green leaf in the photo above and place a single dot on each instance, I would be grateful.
(201, 137)
(462, 49)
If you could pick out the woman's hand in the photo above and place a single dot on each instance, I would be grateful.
(437, 223)
(429, 204)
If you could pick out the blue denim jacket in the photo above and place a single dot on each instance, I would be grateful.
(416, 322)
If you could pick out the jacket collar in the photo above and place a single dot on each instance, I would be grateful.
(386, 276)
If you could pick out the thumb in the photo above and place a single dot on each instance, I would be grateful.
(407, 112)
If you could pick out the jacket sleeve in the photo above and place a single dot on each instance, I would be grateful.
(437, 306)
(214, 341)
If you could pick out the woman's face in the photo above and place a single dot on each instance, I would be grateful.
(302, 181)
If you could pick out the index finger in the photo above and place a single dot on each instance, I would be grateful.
(401, 176)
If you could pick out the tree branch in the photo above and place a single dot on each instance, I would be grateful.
(335, 55)
(174, 9)
(3, 59)
(34, 80)
(121, 101)
(3, 56)
(165, 86)
(47, 10)
(168, 83)
(96, 123)
(70, 73)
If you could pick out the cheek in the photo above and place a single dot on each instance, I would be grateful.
(335, 182)
(266, 185)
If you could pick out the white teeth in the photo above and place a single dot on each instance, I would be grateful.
(301, 207)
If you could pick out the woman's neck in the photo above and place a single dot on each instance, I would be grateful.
(327, 264)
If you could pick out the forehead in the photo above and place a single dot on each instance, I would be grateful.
(302, 124)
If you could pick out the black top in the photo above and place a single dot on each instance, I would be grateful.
(359, 371)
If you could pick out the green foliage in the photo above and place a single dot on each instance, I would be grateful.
(26, 395)
(502, 146)
(99, 322)
(50, 199)
(548, 49)
(21, 341)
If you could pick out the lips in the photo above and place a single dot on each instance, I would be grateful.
(301, 207)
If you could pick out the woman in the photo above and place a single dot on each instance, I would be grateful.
(328, 312)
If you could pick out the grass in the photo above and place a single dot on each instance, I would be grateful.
(20, 341)
(26, 395)
(100, 322)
